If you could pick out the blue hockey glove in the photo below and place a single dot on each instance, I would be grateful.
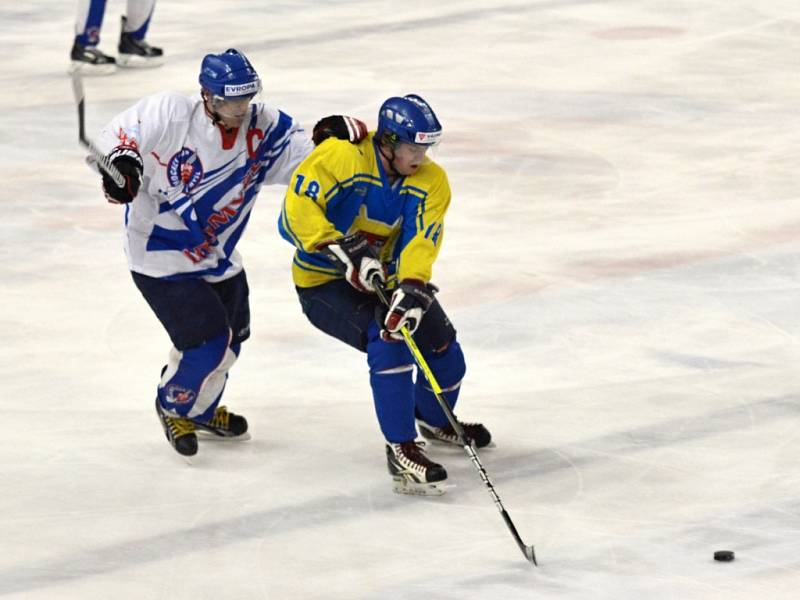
(129, 162)
(341, 127)
(355, 258)
(407, 307)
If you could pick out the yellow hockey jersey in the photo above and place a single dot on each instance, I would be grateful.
(341, 188)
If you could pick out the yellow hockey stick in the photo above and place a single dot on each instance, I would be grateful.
(527, 551)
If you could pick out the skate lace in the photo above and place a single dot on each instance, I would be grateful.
(469, 428)
(413, 453)
(221, 418)
(180, 427)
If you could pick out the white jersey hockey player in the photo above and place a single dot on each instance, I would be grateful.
(192, 168)
(133, 50)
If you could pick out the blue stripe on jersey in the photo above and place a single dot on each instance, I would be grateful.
(216, 185)
(315, 259)
(347, 183)
(274, 135)
(204, 204)
(170, 239)
(231, 242)
(415, 191)
(308, 267)
(210, 174)
(223, 265)
(269, 161)
(286, 230)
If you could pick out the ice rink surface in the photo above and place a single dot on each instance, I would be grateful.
(622, 262)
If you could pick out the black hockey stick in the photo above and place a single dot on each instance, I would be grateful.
(527, 551)
(99, 157)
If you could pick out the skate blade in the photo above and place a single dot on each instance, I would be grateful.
(411, 488)
(90, 70)
(210, 436)
(134, 61)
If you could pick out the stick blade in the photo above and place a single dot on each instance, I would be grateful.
(530, 555)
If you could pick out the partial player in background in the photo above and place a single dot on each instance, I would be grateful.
(375, 211)
(133, 50)
(192, 168)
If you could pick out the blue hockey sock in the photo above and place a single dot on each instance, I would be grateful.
(393, 395)
(449, 368)
(193, 382)
(390, 376)
(209, 412)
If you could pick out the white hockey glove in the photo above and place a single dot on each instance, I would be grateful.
(356, 259)
(407, 307)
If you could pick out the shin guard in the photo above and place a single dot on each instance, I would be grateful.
(193, 382)
(449, 368)
(391, 378)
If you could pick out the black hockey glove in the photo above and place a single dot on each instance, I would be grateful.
(356, 259)
(129, 162)
(408, 305)
(341, 127)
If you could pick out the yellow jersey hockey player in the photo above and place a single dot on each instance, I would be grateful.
(356, 212)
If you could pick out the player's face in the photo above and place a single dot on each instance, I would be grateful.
(408, 158)
(231, 112)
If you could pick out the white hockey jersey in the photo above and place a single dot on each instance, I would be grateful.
(199, 184)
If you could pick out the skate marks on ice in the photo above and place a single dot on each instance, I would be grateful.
(396, 24)
(531, 497)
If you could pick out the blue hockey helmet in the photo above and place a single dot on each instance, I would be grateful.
(229, 75)
(408, 119)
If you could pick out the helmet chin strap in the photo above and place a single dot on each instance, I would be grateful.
(211, 112)
(207, 103)
(389, 159)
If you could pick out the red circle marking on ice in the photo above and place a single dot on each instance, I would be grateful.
(644, 32)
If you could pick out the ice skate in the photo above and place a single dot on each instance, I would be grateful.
(180, 432)
(414, 473)
(137, 53)
(90, 61)
(476, 433)
(224, 424)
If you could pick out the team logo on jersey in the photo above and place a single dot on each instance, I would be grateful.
(185, 168)
(176, 394)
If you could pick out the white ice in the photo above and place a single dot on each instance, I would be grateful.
(622, 261)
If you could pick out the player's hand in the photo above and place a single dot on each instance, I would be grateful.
(341, 127)
(407, 307)
(129, 162)
(356, 259)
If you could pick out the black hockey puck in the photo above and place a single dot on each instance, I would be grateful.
(724, 555)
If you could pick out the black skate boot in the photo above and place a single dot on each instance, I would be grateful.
(90, 61)
(413, 472)
(476, 433)
(180, 432)
(225, 424)
(137, 53)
